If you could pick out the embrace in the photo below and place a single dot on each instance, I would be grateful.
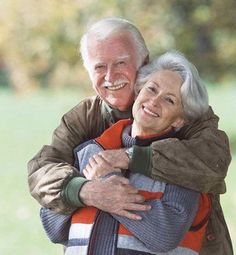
(139, 168)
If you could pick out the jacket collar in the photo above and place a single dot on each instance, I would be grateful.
(113, 115)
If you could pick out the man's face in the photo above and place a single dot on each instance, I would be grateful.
(158, 106)
(112, 69)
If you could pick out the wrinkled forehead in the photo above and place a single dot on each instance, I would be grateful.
(105, 31)
(122, 38)
(113, 48)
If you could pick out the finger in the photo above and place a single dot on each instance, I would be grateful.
(104, 157)
(85, 171)
(86, 174)
(129, 215)
(134, 198)
(104, 154)
(92, 161)
(118, 179)
(137, 207)
(99, 159)
(129, 189)
(107, 155)
(88, 168)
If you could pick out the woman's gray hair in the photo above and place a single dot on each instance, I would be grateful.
(112, 26)
(193, 92)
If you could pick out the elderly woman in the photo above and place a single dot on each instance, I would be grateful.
(169, 95)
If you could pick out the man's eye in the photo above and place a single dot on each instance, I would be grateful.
(120, 63)
(99, 67)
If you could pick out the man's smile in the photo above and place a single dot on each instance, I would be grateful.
(116, 87)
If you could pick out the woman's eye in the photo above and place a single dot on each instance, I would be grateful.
(169, 100)
(151, 89)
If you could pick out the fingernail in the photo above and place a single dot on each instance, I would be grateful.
(138, 217)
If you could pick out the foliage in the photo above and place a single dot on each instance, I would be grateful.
(39, 39)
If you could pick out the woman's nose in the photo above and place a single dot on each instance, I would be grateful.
(156, 100)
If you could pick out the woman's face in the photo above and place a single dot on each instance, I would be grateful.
(158, 106)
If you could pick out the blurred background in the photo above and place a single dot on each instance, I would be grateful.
(41, 77)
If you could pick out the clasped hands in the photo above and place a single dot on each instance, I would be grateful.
(113, 194)
(106, 162)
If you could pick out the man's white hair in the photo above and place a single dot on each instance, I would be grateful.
(110, 27)
(193, 92)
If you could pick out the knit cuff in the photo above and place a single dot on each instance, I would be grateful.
(71, 192)
(141, 161)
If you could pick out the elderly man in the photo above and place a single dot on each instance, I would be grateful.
(113, 50)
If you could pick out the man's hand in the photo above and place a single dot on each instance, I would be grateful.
(113, 195)
(98, 167)
(116, 158)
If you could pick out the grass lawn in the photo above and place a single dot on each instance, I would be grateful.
(27, 123)
(223, 100)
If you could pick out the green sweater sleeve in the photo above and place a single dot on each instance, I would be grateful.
(141, 161)
(70, 193)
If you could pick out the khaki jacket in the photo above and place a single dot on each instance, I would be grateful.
(198, 161)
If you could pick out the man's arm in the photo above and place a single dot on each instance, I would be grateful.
(56, 184)
(198, 161)
(50, 171)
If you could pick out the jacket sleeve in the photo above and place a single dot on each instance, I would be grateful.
(51, 175)
(168, 220)
(199, 160)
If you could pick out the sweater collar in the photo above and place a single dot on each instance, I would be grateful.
(128, 140)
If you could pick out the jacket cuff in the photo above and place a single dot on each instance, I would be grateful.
(71, 192)
(141, 161)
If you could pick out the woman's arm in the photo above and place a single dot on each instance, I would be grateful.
(164, 226)
(55, 225)
(170, 216)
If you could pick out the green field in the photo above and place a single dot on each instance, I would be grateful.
(27, 122)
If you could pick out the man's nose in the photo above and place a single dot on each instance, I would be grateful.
(110, 75)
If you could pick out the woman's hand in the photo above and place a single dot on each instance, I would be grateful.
(98, 167)
(106, 162)
(116, 158)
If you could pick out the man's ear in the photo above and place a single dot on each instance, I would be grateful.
(178, 123)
